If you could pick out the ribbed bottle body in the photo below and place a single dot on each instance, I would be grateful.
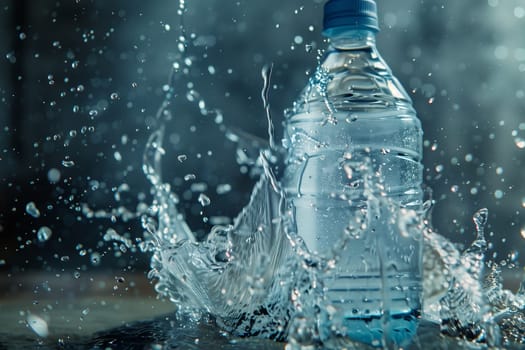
(353, 173)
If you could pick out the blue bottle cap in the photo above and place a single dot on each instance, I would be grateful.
(355, 14)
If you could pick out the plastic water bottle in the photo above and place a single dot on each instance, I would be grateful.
(353, 169)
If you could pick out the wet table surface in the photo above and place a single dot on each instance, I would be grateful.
(108, 312)
(101, 311)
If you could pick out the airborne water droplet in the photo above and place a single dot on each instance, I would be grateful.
(117, 156)
(95, 259)
(38, 325)
(32, 210)
(520, 143)
(68, 163)
(223, 188)
(189, 177)
(44, 233)
(204, 200)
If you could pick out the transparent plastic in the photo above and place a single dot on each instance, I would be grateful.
(353, 172)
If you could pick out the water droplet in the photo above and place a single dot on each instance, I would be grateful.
(85, 312)
(114, 96)
(520, 143)
(11, 57)
(199, 187)
(44, 233)
(348, 171)
(181, 158)
(223, 188)
(68, 163)
(189, 177)
(38, 325)
(53, 175)
(204, 200)
(120, 279)
(75, 64)
(95, 259)
(519, 12)
(117, 156)
(111, 234)
(32, 210)
(220, 220)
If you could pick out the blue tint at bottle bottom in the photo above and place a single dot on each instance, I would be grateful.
(379, 331)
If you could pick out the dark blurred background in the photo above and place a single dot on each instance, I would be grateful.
(82, 80)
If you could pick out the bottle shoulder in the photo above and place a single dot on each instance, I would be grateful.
(350, 80)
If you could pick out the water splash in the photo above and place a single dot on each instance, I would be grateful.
(469, 304)
(266, 73)
(463, 306)
(256, 276)
(258, 279)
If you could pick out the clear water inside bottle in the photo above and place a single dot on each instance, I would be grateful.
(354, 163)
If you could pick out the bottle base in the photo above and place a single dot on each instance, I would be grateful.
(376, 330)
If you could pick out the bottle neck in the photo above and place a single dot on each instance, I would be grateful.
(351, 39)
